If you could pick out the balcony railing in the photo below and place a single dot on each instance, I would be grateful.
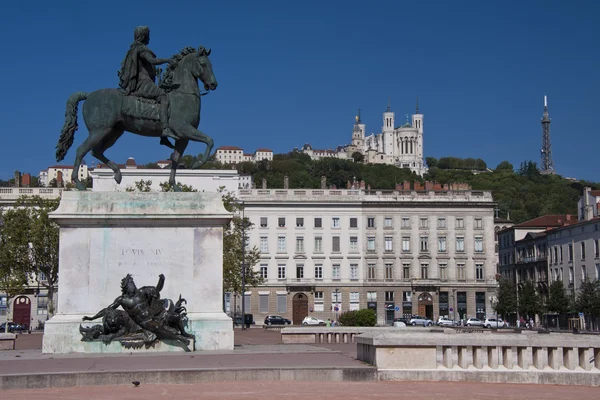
(530, 259)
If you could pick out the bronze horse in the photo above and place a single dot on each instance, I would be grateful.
(107, 114)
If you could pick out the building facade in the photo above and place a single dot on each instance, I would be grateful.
(324, 252)
(235, 155)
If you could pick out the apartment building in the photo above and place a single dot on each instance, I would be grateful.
(399, 252)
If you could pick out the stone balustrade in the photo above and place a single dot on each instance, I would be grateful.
(557, 358)
(324, 334)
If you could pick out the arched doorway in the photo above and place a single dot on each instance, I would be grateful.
(426, 305)
(22, 311)
(299, 308)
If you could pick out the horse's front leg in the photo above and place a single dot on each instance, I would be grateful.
(190, 133)
(180, 146)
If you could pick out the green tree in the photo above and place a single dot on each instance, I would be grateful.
(166, 187)
(140, 186)
(15, 266)
(588, 300)
(358, 157)
(43, 236)
(233, 249)
(529, 300)
(558, 302)
(151, 165)
(504, 166)
(432, 162)
(506, 299)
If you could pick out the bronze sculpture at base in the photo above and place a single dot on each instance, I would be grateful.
(145, 318)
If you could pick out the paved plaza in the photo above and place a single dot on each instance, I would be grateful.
(255, 349)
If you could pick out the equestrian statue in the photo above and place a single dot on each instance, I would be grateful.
(170, 109)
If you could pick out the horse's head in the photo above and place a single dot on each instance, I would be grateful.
(203, 69)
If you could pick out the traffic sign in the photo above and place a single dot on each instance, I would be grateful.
(397, 308)
(451, 309)
(336, 308)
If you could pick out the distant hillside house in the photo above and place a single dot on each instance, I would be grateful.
(235, 155)
(62, 173)
(401, 146)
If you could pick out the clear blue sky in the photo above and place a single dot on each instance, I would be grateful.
(295, 72)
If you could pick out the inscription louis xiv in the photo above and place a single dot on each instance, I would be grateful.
(141, 252)
(137, 256)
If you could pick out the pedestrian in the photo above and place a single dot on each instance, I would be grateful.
(530, 323)
(328, 323)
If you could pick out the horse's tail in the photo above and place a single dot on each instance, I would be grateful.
(68, 131)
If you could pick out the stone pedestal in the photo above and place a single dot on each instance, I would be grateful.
(106, 235)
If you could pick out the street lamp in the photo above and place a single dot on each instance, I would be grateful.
(243, 268)
(337, 291)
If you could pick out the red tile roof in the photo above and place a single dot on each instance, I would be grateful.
(595, 192)
(549, 221)
(267, 150)
(247, 154)
(61, 167)
(130, 161)
(229, 148)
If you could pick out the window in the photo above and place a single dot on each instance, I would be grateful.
(424, 243)
(299, 245)
(335, 222)
(423, 223)
(354, 243)
(478, 244)
(443, 272)
(263, 303)
(281, 303)
(354, 301)
(42, 304)
(555, 254)
(318, 244)
(263, 222)
(460, 272)
(370, 222)
(405, 271)
(405, 223)
(281, 271)
(318, 271)
(299, 222)
(389, 296)
(318, 223)
(441, 223)
(336, 297)
(583, 273)
(460, 223)
(335, 247)
(479, 271)
(335, 271)
(570, 252)
(371, 243)
(264, 244)
(353, 271)
(478, 223)
(281, 222)
(319, 301)
(353, 222)
(3, 305)
(583, 250)
(442, 244)
(247, 303)
(596, 249)
(264, 271)
(389, 271)
(371, 296)
(387, 222)
(371, 272)
(299, 271)
(406, 243)
(597, 271)
(389, 243)
(460, 244)
(424, 271)
(571, 278)
(281, 244)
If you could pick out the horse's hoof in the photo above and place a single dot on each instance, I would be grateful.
(80, 186)
(198, 164)
(177, 188)
(118, 177)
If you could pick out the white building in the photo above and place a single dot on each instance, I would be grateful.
(235, 155)
(429, 253)
(62, 173)
(401, 145)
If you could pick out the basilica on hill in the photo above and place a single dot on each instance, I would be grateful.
(401, 145)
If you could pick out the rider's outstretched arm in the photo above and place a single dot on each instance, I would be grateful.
(154, 60)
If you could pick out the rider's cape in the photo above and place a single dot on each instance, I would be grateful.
(128, 75)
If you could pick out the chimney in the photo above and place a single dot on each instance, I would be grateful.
(362, 185)
(59, 179)
(567, 217)
(286, 182)
(17, 179)
(264, 183)
(323, 182)
(26, 180)
(406, 186)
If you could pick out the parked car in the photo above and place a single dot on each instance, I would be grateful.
(493, 323)
(312, 321)
(474, 322)
(445, 321)
(277, 320)
(420, 320)
(12, 327)
(402, 319)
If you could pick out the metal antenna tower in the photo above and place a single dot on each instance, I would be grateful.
(547, 166)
